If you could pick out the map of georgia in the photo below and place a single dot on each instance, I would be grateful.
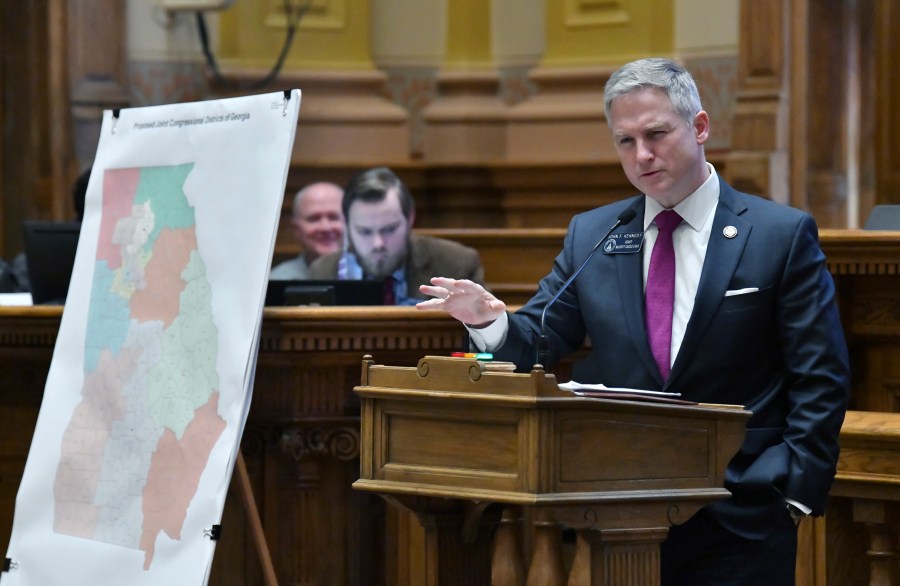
(141, 436)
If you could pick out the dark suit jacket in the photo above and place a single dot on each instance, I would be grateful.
(428, 257)
(780, 351)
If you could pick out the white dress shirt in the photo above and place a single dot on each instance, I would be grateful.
(293, 269)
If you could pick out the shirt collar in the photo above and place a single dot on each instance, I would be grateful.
(695, 208)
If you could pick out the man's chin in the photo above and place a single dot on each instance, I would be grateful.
(378, 271)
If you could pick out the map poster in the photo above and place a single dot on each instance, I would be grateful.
(152, 372)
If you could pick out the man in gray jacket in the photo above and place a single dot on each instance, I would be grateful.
(380, 212)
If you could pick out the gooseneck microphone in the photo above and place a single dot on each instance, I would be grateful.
(543, 344)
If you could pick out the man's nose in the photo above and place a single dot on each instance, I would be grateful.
(644, 152)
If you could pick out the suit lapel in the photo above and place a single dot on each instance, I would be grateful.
(722, 257)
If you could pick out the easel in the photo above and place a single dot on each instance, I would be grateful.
(253, 520)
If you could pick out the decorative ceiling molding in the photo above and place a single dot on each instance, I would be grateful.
(595, 13)
(321, 15)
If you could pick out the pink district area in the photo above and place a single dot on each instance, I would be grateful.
(174, 475)
(84, 444)
(159, 299)
(119, 189)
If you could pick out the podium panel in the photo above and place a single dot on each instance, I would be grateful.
(452, 439)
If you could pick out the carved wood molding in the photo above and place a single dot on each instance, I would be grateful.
(345, 118)
(334, 439)
(29, 327)
(337, 329)
(876, 315)
(286, 329)
(861, 252)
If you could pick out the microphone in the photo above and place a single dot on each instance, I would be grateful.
(543, 344)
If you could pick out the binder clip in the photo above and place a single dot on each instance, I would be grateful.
(214, 532)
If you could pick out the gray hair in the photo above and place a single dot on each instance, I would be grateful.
(298, 197)
(660, 73)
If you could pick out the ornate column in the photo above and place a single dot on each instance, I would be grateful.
(882, 522)
(409, 44)
(491, 48)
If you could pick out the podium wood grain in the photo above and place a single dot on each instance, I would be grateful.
(451, 441)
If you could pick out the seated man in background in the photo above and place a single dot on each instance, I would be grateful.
(318, 226)
(380, 213)
(14, 275)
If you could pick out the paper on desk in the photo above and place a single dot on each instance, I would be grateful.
(581, 389)
(15, 299)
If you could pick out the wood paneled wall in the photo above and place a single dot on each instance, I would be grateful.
(36, 165)
(496, 196)
(817, 101)
(812, 131)
(63, 62)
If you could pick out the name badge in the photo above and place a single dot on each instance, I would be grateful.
(626, 243)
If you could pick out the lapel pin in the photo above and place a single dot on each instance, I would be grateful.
(729, 231)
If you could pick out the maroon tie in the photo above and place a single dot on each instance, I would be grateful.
(659, 300)
(389, 295)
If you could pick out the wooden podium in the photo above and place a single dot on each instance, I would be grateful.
(454, 442)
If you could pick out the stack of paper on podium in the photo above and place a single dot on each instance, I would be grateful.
(152, 372)
(599, 391)
(603, 392)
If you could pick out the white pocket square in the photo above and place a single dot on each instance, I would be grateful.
(733, 292)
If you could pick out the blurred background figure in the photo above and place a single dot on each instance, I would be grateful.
(380, 212)
(14, 274)
(318, 226)
(79, 193)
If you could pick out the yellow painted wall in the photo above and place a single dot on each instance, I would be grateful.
(468, 34)
(334, 34)
(595, 32)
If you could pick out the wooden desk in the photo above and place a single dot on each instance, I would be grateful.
(855, 257)
(863, 520)
(301, 440)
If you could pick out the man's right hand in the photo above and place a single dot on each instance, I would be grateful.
(465, 300)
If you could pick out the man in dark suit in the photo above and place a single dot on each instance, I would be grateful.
(380, 213)
(751, 319)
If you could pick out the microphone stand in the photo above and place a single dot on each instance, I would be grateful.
(542, 343)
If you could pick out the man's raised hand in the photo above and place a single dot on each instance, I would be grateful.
(465, 300)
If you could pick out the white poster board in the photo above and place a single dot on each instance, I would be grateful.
(152, 373)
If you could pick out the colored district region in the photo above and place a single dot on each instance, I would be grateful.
(141, 435)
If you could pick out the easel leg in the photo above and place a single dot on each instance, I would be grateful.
(253, 520)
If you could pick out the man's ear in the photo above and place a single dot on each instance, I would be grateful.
(701, 126)
(412, 218)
